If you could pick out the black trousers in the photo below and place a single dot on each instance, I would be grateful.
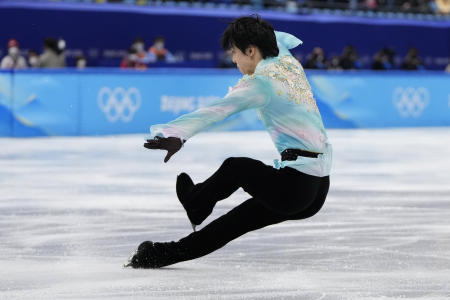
(277, 195)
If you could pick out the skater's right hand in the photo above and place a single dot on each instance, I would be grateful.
(171, 144)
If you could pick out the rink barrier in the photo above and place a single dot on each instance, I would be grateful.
(113, 101)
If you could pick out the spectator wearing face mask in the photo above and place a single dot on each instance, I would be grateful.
(13, 60)
(158, 52)
(53, 55)
(80, 62)
(143, 57)
(139, 46)
(33, 59)
(131, 61)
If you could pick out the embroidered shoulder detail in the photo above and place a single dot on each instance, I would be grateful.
(288, 71)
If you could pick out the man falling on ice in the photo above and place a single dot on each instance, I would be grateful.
(274, 84)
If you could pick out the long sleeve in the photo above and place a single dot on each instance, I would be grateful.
(249, 92)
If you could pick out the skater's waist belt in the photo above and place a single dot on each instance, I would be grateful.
(292, 154)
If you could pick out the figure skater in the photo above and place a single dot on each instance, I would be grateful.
(274, 83)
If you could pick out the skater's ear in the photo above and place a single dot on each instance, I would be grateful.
(252, 51)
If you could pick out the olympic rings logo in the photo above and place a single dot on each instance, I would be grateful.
(411, 102)
(118, 103)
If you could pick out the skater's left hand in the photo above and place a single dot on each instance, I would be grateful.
(171, 144)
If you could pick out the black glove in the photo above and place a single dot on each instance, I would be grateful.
(171, 144)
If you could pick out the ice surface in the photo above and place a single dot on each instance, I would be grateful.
(73, 209)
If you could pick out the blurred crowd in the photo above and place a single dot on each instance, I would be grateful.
(52, 56)
(139, 57)
(348, 60)
(397, 6)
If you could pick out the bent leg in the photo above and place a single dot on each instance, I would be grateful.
(248, 216)
(235, 172)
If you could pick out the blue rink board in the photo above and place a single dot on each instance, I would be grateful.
(111, 101)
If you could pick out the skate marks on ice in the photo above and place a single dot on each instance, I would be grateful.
(73, 209)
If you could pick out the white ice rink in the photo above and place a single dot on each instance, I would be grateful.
(73, 209)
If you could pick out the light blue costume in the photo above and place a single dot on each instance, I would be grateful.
(281, 95)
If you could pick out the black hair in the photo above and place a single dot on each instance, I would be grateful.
(246, 31)
(51, 44)
(54, 45)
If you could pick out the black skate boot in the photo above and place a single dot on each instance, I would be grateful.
(185, 188)
(151, 255)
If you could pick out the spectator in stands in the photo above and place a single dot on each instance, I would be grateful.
(139, 46)
(416, 6)
(143, 56)
(371, 4)
(379, 60)
(412, 60)
(316, 59)
(159, 52)
(383, 59)
(13, 60)
(80, 62)
(406, 6)
(349, 58)
(131, 61)
(33, 59)
(53, 55)
(334, 63)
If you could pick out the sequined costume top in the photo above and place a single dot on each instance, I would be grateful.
(282, 97)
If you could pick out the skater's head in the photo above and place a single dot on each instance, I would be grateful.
(249, 39)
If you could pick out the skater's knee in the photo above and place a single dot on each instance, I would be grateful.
(229, 162)
(235, 161)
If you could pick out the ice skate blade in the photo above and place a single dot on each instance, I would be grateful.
(127, 265)
(193, 227)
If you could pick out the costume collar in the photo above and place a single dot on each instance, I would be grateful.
(285, 41)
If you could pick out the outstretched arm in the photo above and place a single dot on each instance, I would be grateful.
(250, 92)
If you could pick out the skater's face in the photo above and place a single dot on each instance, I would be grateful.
(246, 62)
